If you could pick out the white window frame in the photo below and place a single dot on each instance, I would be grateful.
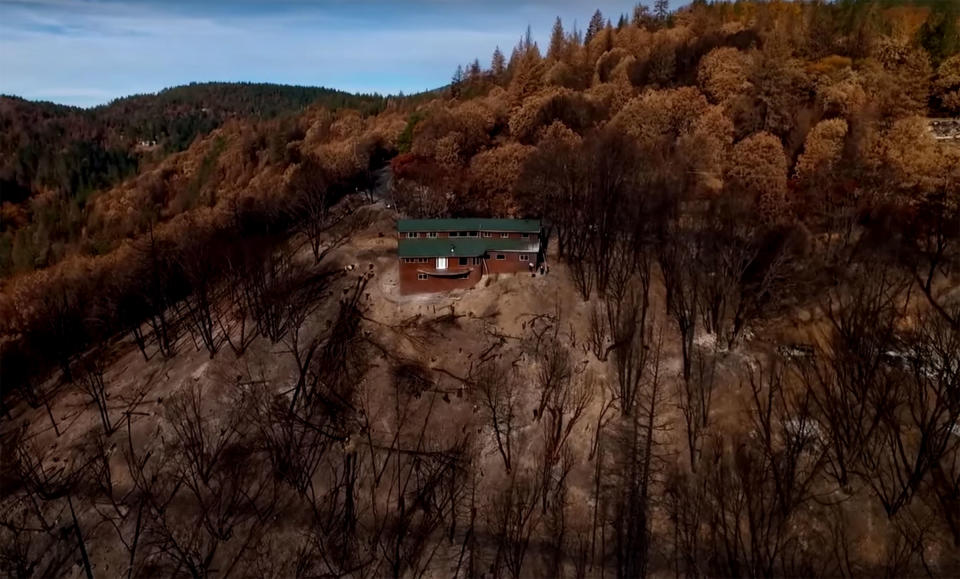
(524, 257)
(525, 235)
(441, 263)
(432, 234)
(422, 277)
(501, 257)
(488, 234)
(505, 235)
(411, 235)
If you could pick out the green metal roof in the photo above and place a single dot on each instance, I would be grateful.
(469, 224)
(460, 247)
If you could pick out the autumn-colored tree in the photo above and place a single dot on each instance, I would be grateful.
(498, 65)
(557, 41)
(494, 174)
(724, 73)
(656, 118)
(901, 83)
(527, 77)
(822, 149)
(757, 170)
(947, 85)
(594, 27)
(556, 104)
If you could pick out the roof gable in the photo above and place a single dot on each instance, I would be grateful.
(469, 224)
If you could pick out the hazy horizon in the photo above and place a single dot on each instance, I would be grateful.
(88, 53)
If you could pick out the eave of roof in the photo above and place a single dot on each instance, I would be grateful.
(469, 224)
(460, 247)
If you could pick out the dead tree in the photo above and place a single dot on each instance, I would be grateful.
(275, 290)
(123, 507)
(233, 319)
(211, 504)
(598, 335)
(563, 411)
(636, 465)
(201, 265)
(419, 489)
(341, 361)
(89, 379)
(497, 394)
(581, 269)
(311, 190)
(513, 519)
(555, 523)
(552, 184)
(685, 503)
(758, 484)
(919, 429)
(49, 481)
(938, 365)
(740, 265)
(631, 347)
(933, 238)
(850, 384)
(677, 256)
(320, 357)
(160, 288)
(554, 371)
(696, 395)
(33, 542)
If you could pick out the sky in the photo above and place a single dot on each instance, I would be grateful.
(88, 52)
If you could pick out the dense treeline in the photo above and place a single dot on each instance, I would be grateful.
(52, 157)
(762, 233)
(36, 133)
(175, 116)
(269, 180)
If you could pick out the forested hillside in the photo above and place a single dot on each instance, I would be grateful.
(53, 158)
(744, 362)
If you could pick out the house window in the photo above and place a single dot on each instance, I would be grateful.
(477, 261)
(505, 235)
(471, 234)
(501, 257)
(441, 263)
(432, 234)
(487, 234)
(411, 235)
(464, 261)
(421, 276)
(525, 236)
(454, 234)
(524, 257)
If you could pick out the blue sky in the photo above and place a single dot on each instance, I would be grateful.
(87, 52)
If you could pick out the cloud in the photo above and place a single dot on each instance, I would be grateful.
(106, 48)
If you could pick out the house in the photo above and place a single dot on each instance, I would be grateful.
(443, 254)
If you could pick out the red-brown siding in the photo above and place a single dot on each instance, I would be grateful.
(409, 284)
(510, 264)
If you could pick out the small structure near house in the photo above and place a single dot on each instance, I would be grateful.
(444, 254)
